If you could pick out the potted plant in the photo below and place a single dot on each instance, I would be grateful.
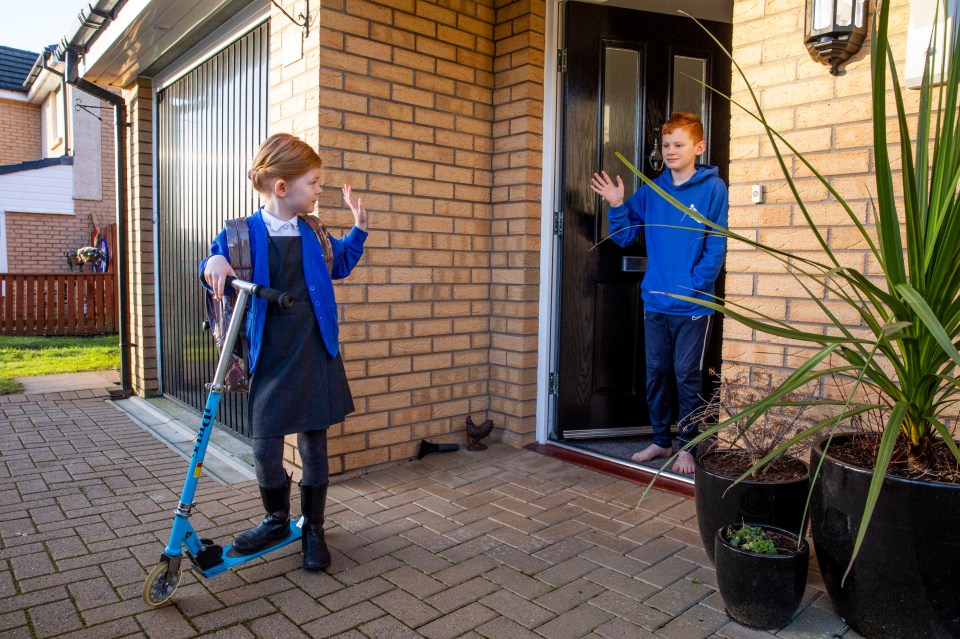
(774, 492)
(885, 510)
(761, 573)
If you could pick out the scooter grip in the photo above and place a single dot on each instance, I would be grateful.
(272, 295)
(283, 299)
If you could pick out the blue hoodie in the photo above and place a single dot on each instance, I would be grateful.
(679, 261)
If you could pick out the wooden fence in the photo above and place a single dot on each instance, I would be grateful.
(58, 303)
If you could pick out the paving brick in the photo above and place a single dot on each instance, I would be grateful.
(298, 606)
(458, 622)
(234, 615)
(567, 571)
(388, 627)
(570, 596)
(696, 623)
(516, 608)
(575, 623)
(622, 629)
(415, 582)
(517, 582)
(458, 596)
(632, 610)
(501, 627)
(357, 593)
(165, 623)
(679, 596)
(92, 593)
(54, 618)
(343, 620)
(667, 571)
(275, 627)
(408, 609)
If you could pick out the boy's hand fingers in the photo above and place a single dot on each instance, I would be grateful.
(619, 182)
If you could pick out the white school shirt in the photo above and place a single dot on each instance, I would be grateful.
(278, 228)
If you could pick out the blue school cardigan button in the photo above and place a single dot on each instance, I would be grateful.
(313, 288)
(316, 303)
(321, 320)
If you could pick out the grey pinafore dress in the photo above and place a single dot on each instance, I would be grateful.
(297, 386)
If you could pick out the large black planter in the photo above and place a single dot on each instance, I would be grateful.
(905, 581)
(776, 503)
(760, 591)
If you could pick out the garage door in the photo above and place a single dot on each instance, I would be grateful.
(209, 125)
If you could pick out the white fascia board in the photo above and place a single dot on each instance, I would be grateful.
(45, 83)
(45, 190)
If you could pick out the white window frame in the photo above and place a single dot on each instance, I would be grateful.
(922, 13)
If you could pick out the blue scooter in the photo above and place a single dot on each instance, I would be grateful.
(207, 557)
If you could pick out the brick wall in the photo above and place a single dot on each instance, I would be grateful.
(142, 334)
(20, 132)
(828, 119)
(406, 116)
(516, 197)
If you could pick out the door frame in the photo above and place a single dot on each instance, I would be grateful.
(548, 347)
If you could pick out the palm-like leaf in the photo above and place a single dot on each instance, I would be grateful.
(914, 315)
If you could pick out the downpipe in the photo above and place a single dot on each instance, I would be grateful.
(120, 147)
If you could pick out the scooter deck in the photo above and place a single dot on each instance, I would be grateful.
(232, 559)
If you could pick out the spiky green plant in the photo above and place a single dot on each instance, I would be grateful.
(913, 316)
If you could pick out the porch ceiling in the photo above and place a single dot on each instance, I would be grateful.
(148, 34)
(716, 10)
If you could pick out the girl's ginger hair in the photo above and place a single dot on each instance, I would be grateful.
(688, 121)
(281, 157)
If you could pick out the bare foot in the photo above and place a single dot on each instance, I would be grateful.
(651, 452)
(684, 463)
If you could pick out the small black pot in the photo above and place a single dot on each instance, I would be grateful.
(904, 581)
(761, 591)
(776, 503)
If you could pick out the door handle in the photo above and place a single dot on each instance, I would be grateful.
(634, 264)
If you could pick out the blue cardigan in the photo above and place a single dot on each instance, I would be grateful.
(346, 252)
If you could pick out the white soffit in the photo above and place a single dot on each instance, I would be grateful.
(143, 31)
(716, 10)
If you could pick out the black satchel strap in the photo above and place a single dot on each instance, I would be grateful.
(323, 236)
(238, 243)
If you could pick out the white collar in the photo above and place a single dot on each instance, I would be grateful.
(276, 226)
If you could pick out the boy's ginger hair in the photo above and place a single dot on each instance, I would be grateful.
(688, 121)
(282, 156)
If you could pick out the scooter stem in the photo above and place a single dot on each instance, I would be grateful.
(233, 329)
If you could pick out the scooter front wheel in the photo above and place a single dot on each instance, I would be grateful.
(161, 584)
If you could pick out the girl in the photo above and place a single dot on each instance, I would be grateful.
(298, 383)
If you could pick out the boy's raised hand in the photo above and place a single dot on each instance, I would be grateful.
(356, 207)
(603, 186)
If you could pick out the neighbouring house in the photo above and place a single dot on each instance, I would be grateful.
(471, 128)
(56, 165)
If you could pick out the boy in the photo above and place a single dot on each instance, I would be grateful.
(684, 261)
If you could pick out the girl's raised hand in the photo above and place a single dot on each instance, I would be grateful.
(356, 207)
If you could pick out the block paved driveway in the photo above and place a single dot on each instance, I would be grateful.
(500, 544)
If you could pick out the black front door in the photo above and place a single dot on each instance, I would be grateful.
(626, 71)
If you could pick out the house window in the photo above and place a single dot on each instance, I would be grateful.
(54, 124)
(926, 36)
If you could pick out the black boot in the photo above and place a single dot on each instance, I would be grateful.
(275, 525)
(313, 499)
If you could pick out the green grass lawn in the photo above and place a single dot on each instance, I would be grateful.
(23, 356)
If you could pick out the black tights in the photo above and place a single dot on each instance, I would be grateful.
(268, 459)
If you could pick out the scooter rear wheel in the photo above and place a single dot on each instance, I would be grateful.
(160, 584)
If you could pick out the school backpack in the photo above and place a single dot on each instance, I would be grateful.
(237, 378)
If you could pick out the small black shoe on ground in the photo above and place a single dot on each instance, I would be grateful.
(313, 499)
(275, 525)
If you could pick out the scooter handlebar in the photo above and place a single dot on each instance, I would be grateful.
(272, 295)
